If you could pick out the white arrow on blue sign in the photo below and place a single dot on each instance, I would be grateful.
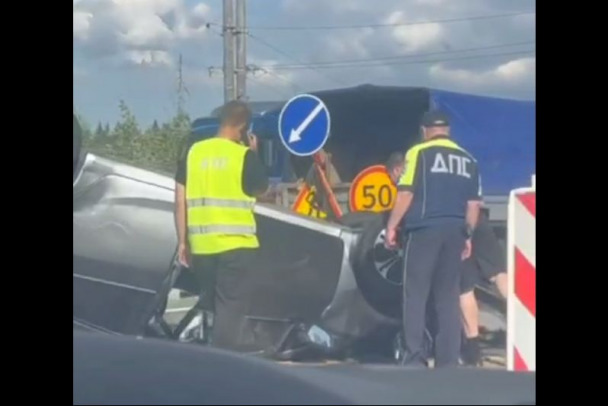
(304, 125)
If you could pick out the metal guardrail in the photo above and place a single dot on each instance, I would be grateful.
(285, 195)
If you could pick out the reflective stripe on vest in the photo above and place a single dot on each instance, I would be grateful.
(225, 203)
(221, 228)
(220, 214)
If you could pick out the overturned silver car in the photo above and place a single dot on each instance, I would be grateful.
(321, 289)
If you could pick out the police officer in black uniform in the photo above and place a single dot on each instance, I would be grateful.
(438, 205)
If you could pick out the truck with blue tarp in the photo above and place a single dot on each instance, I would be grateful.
(370, 122)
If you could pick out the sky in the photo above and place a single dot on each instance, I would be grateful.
(129, 50)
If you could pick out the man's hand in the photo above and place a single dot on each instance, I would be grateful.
(390, 240)
(468, 248)
(183, 254)
(253, 141)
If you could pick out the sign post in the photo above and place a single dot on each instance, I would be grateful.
(372, 190)
(304, 127)
(521, 273)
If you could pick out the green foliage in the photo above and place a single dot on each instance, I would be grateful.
(155, 148)
(84, 126)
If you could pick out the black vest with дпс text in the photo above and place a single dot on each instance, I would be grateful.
(443, 178)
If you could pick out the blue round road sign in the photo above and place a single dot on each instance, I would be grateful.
(304, 125)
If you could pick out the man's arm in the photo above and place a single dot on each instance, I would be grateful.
(255, 178)
(181, 213)
(181, 210)
(474, 203)
(402, 205)
(405, 188)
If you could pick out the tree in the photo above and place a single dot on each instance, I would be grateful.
(84, 126)
(155, 128)
(127, 127)
(99, 130)
(155, 150)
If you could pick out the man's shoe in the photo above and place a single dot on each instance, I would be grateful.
(471, 352)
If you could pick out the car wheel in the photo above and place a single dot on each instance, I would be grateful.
(378, 270)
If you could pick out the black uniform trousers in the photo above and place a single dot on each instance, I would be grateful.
(225, 291)
(432, 268)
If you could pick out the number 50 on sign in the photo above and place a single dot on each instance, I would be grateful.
(372, 190)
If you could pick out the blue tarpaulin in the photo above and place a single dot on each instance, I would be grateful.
(501, 135)
(370, 122)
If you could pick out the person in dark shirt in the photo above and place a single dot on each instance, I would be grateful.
(437, 207)
(217, 182)
(487, 262)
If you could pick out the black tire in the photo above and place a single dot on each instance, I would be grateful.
(378, 271)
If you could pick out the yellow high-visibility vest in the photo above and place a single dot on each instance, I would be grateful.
(220, 214)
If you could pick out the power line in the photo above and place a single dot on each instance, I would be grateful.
(255, 68)
(285, 54)
(358, 26)
(396, 57)
(401, 63)
(275, 89)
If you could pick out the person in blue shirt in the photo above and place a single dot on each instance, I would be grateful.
(437, 208)
(487, 262)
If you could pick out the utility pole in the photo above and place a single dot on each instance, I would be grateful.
(182, 90)
(229, 52)
(241, 50)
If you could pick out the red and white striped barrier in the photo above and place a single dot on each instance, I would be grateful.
(521, 299)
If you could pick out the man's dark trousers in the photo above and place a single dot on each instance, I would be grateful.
(226, 291)
(432, 266)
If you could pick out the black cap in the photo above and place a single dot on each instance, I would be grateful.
(435, 118)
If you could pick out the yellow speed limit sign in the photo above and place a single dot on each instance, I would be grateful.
(372, 190)
(306, 204)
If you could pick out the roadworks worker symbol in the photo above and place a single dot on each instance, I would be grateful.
(306, 203)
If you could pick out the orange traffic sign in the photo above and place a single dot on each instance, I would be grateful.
(372, 190)
(305, 203)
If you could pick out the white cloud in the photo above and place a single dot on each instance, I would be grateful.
(518, 71)
(414, 37)
(341, 6)
(149, 58)
(81, 24)
(201, 10)
(351, 44)
(147, 31)
(136, 30)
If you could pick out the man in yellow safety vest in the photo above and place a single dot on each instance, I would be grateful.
(217, 182)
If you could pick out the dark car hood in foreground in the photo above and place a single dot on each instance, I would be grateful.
(125, 370)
